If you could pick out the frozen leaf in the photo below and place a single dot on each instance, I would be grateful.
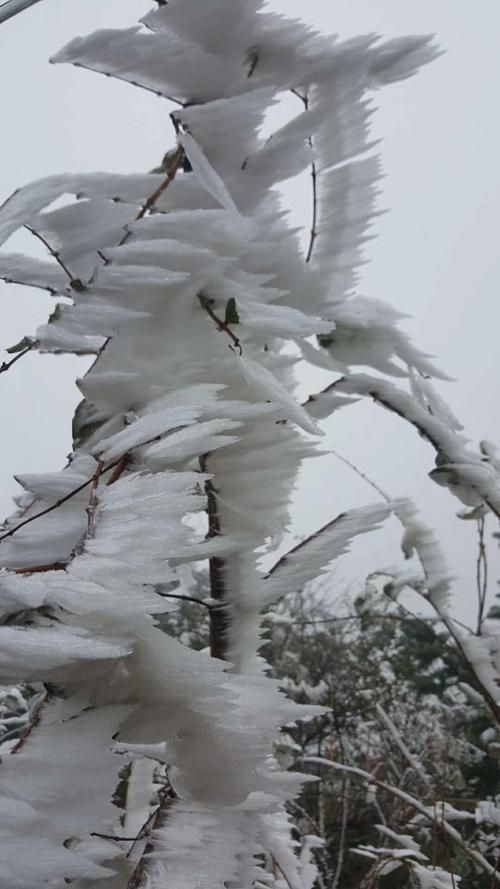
(26, 343)
(265, 384)
(203, 170)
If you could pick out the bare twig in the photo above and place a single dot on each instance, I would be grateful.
(56, 255)
(146, 207)
(91, 506)
(110, 836)
(119, 469)
(415, 804)
(254, 61)
(367, 616)
(481, 573)
(314, 224)
(153, 198)
(8, 364)
(282, 872)
(156, 820)
(186, 599)
(33, 724)
(57, 504)
(219, 620)
(40, 569)
(314, 179)
(219, 322)
(392, 399)
(120, 464)
(283, 559)
(12, 7)
(343, 829)
(143, 830)
(361, 474)
(391, 728)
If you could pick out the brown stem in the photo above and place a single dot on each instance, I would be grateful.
(58, 503)
(314, 178)
(40, 569)
(420, 425)
(219, 619)
(367, 616)
(220, 323)
(143, 830)
(152, 200)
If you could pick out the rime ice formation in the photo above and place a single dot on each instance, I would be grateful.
(187, 285)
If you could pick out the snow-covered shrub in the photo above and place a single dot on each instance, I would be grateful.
(398, 708)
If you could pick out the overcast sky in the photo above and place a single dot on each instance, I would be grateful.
(435, 257)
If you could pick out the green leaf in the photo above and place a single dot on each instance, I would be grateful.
(232, 316)
(56, 314)
(87, 419)
(78, 285)
(26, 343)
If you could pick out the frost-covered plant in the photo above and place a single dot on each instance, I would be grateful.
(399, 710)
(191, 292)
(18, 707)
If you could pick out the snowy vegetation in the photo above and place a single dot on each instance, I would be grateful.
(141, 759)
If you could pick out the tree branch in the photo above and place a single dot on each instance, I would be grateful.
(481, 573)
(219, 619)
(314, 178)
(34, 722)
(391, 728)
(367, 616)
(204, 303)
(75, 283)
(186, 599)
(12, 7)
(157, 820)
(40, 569)
(152, 200)
(59, 502)
(413, 803)
(283, 559)
(360, 473)
(403, 405)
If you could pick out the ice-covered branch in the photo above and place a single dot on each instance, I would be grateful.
(417, 806)
(199, 445)
(458, 467)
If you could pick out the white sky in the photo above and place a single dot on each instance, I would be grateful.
(436, 256)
